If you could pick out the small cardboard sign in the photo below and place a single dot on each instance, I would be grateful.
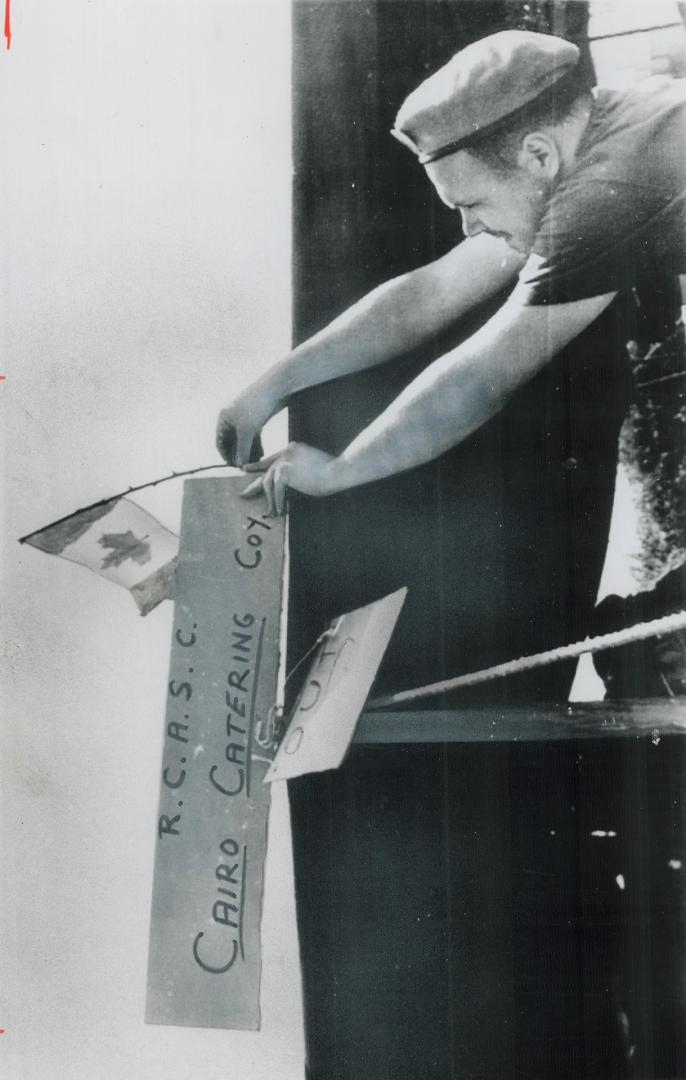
(211, 829)
(325, 715)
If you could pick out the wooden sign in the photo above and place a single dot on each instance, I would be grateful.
(334, 693)
(211, 830)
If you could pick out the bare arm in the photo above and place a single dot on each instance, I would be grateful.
(452, 398)
(391, 320)
(402, 313)
(463, 389)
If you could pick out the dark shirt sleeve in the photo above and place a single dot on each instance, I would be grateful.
(601, 236)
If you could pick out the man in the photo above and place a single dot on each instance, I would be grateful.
(580, 196)
(575, 194)
(554, 209)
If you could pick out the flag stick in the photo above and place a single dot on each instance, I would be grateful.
(123, 494)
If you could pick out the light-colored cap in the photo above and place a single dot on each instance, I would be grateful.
(480, 89)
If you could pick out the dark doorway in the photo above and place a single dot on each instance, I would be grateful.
(455, 917)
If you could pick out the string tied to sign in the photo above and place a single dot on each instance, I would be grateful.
(269, 731)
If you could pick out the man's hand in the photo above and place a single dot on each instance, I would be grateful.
(298, 466)
(240, 423)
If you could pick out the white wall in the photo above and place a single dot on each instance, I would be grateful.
(145, 202)
(641, 50)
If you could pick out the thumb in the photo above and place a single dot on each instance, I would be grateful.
(226, 442)
(256, 450)
(244, 441)
(248, 448)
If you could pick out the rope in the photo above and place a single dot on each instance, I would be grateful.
(669, 624)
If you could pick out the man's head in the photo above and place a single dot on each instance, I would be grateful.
(495, 127)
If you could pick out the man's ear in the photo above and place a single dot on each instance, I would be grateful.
(540, 156)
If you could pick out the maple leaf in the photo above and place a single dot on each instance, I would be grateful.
(124, 546)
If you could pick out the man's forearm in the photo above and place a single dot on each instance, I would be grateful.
(399, 315)
(452, 399)
(460, 391)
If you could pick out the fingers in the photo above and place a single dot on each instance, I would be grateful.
(279, 491)
(246, 448)
(260, 466)
(268, 488)
(273, 483)
(252, 489)
(256, 450)
(236, 445)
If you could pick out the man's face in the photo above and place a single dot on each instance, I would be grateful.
(507, 204)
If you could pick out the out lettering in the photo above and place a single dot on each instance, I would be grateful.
(227, 791)
(183, 688)
(256, 521)
(174, 729)
(235, 753)
(165, 826)
(209, 967)
(222, 912)
(225, 873)
(174, 783)
(241, 642)
(238, 556)
(230, 727)
(237, 678)
(316, 687)
(234, 704)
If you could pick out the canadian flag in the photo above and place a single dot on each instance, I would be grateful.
(121, 542)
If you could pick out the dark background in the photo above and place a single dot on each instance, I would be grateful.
(487, 538)
(456, 917)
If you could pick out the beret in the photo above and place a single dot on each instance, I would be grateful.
(479, 89)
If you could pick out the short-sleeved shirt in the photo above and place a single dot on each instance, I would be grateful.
(619, 216)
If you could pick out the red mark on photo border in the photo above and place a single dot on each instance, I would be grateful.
(8, 28)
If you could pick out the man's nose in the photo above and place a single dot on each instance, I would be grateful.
(472, 224)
